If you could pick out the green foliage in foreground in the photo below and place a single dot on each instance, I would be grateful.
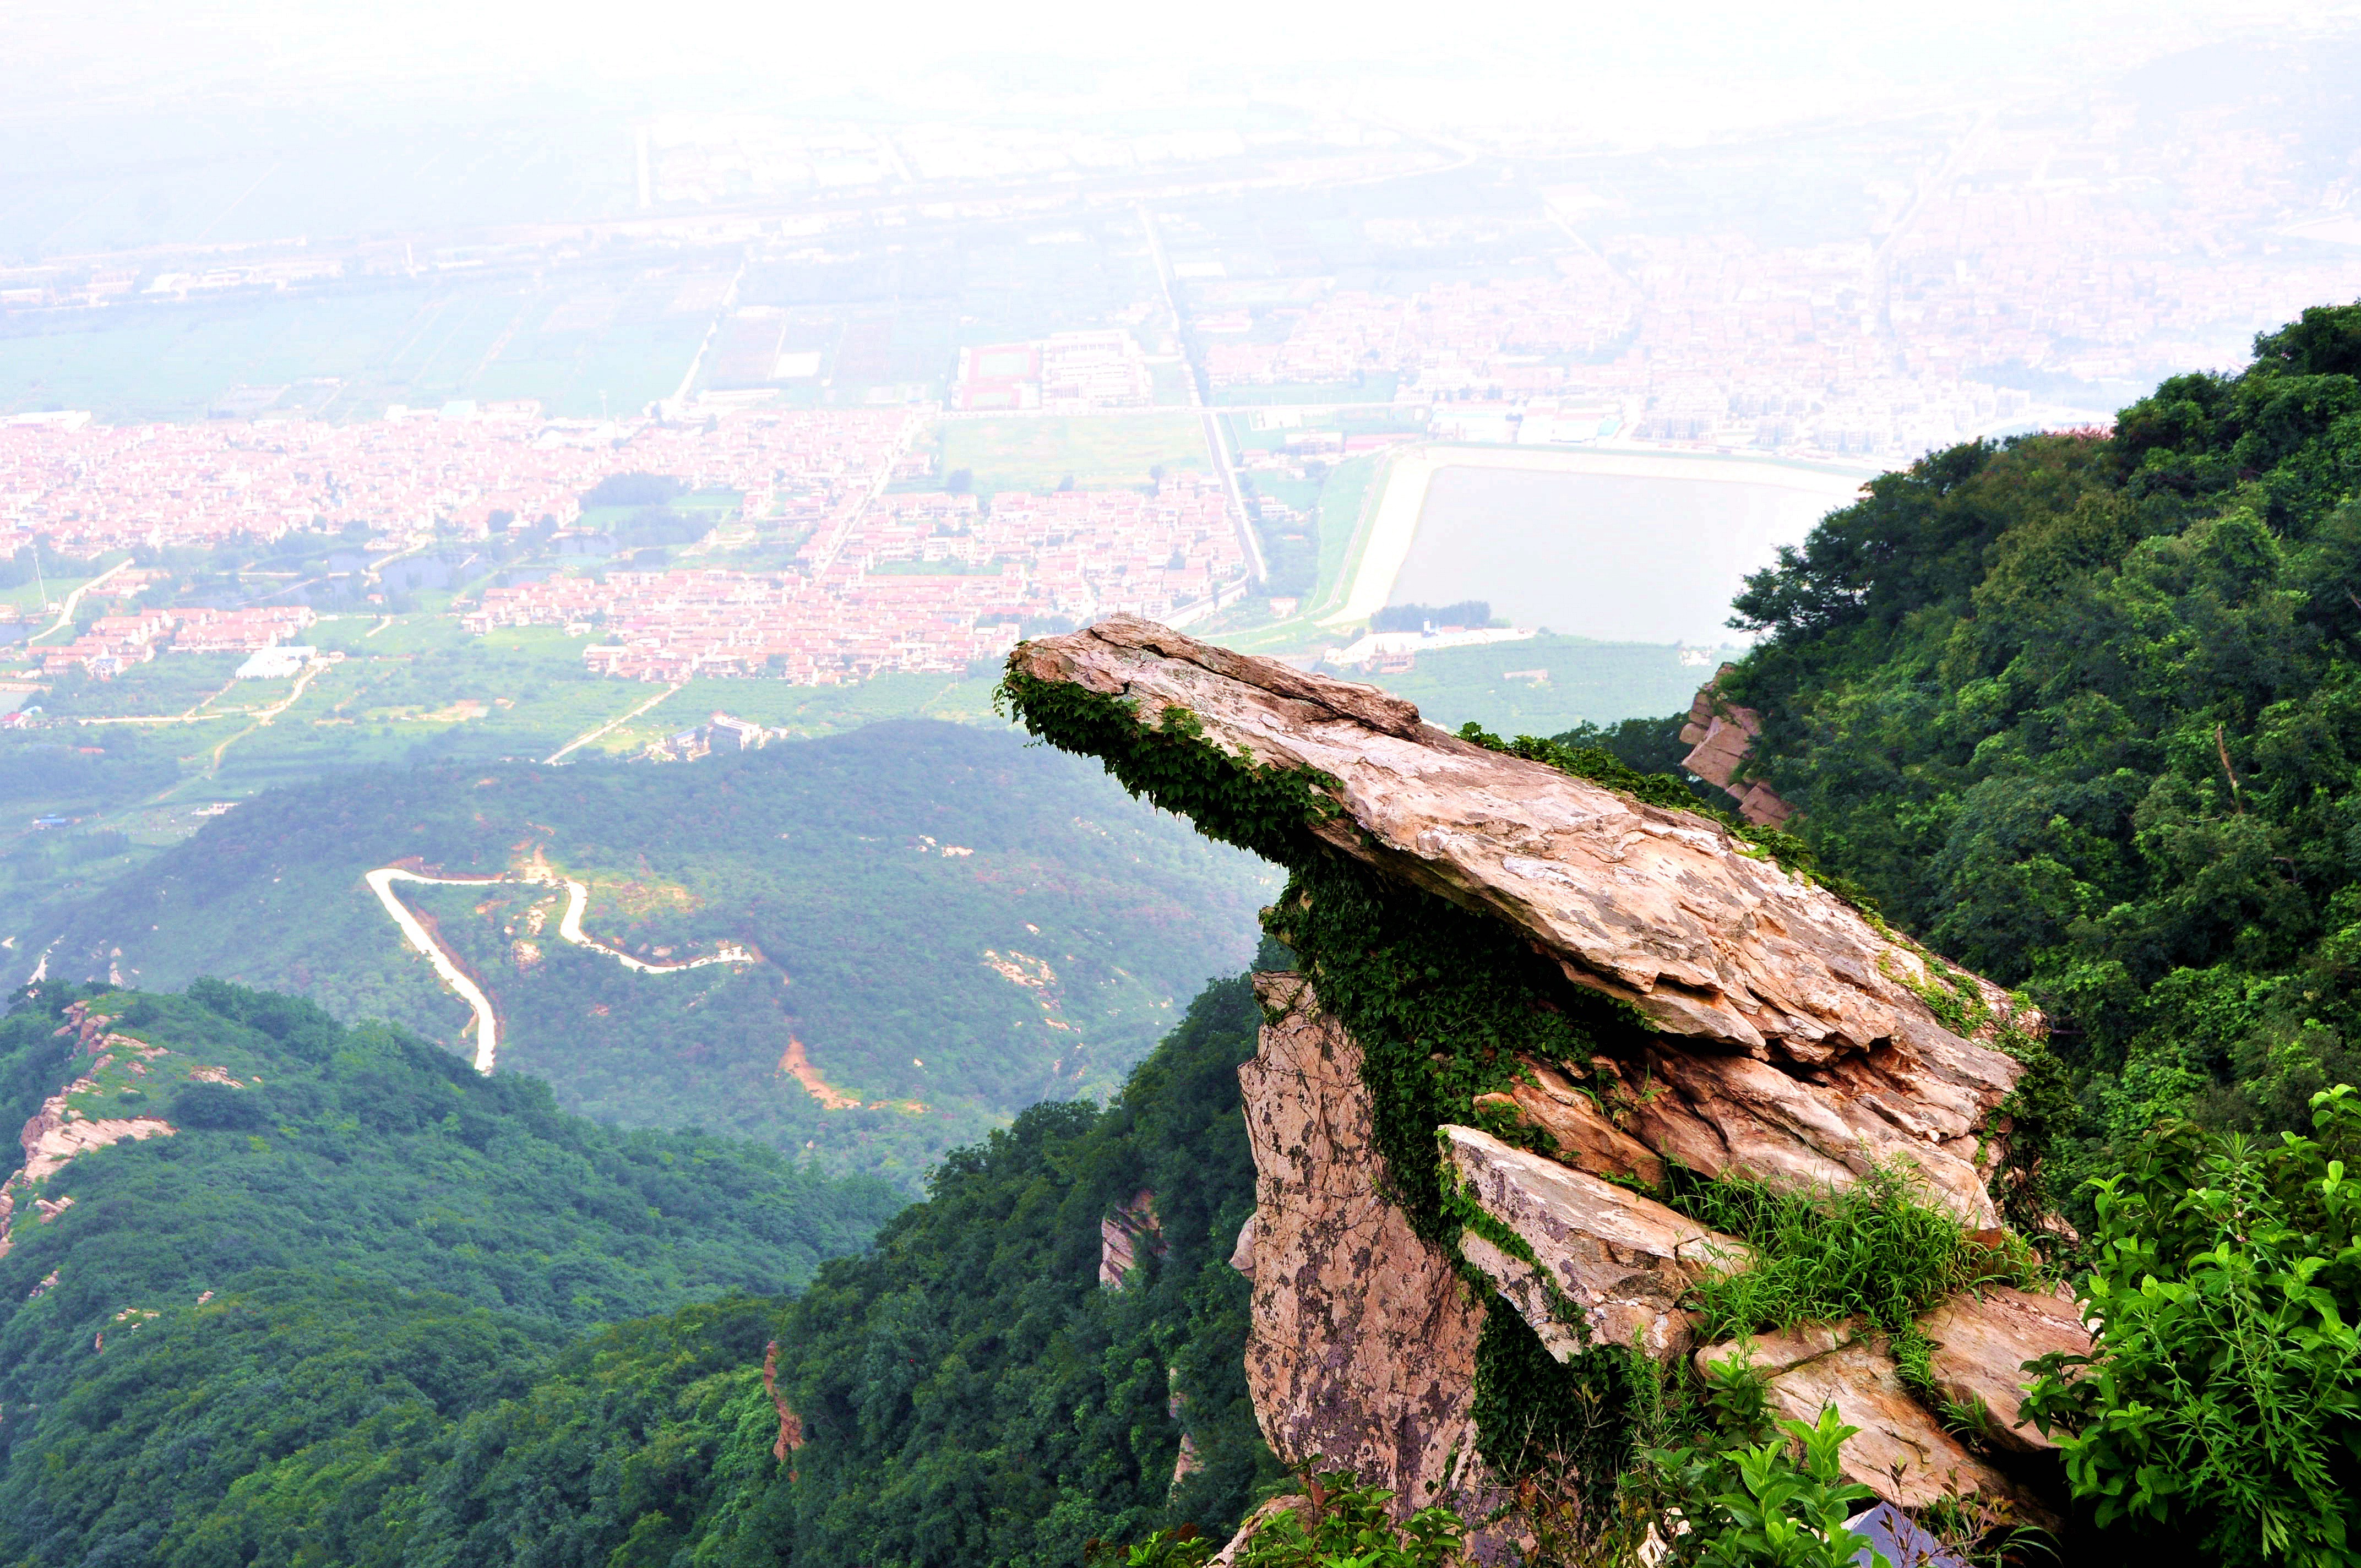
(1765, 1507)
(2224, 1402)
(1351, 1528)
(331, 1309)
(407, 1350)
(2085, 715)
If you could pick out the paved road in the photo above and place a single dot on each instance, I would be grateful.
(66, 612)
(1215, 443)
(485, 1025)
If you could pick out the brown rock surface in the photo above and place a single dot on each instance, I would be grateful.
(1903, 1453)
(1794, 1047)
(1301, 1507)
(1721, 736)
(1547, 1098)
(56, 1134)
(1620, 1261)
(1716, 1113)
(1981, 1344)
(1362, 1346)
(1661, 908)
(1126, 1235)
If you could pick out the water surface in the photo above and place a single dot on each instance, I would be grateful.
(1637, 560)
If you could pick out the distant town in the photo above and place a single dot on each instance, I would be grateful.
(914, 391)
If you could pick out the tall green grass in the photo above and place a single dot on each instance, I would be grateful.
(1874, 1250)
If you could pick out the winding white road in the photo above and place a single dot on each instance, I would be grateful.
(569, 927)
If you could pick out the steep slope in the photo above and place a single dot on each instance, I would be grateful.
(941, 927)
(1049, 1349)
(274, 1234)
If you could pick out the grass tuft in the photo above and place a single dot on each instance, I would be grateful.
(1876, 1250)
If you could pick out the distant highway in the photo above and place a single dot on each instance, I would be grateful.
(1207, 417)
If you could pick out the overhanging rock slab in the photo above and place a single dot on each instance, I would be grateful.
(1720, 949)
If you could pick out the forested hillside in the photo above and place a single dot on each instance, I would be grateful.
(2084, 713)
(349, 1311)
(278, 1319)
(972, 1394)
(952, 925)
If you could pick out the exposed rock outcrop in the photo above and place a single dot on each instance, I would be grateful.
(1127, 1235)
(1609, 1266)
(1905, 1452)
(1981, 1340)
(791, 1426)
(59, 1131)
(1720, 735)
(1792, 1042)
(1362, 1348)
(1661, 908)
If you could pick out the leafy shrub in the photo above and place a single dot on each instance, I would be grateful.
(1756, 1506)
(1180, 1547)
(1874, 1250)
(1350, 1528)
(2223, 1398)
(216, 1107)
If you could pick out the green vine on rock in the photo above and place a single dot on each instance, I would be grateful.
(1443, 1003)
(1260, 808)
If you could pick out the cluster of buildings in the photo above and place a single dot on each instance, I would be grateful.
(114, 643)
(2033, 269)
(1066, 372)
(928, 581)
(725, 733)
(89, 488)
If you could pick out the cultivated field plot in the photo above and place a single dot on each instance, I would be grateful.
(170, 684)
(1102, 451)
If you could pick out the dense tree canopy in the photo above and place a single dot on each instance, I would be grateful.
(364, 1307)
(2085, 712)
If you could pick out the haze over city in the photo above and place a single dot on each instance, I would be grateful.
(947, 326)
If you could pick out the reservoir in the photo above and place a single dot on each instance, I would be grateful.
(1620, 557)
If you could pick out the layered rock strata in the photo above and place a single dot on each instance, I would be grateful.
(1603, 1265)
(1721, 736)
(1982, 1341)
(1792, 1044)
(1716, 946)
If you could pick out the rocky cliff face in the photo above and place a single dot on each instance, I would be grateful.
(1780, 1034)
(1363, 1345)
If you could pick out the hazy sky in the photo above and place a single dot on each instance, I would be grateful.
(1623, 70)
